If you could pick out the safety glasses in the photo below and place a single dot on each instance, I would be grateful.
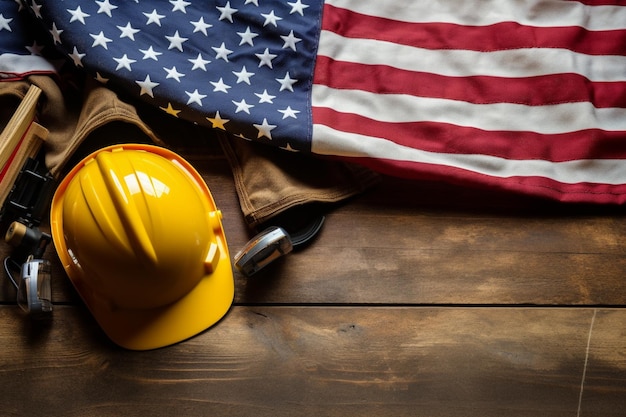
(33, 287)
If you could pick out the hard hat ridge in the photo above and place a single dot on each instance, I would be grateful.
(122, 192)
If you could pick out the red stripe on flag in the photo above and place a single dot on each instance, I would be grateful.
(538, 186)
(495, 37)
(532, 91)
(449, 138)
(600, 2)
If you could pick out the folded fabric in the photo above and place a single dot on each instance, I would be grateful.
(528, 96)
(283, 184)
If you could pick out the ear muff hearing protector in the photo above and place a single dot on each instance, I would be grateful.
(33, 284)
(273, 243)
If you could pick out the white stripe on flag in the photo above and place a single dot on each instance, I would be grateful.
(15, 65)
(525, 62)
(541, 13)
(328, 141)
(400, 108)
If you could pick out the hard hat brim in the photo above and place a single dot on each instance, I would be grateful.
(200, 309)
(144, 329)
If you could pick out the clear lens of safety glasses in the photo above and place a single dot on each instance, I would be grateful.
(34, 295)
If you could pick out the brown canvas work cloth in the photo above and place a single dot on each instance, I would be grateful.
(268, 181)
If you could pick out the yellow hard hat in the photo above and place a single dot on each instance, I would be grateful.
(141, 239)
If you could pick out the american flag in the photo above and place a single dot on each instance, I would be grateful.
(523, 95)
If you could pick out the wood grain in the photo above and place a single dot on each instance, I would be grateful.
(18, 124)
(291, 361)
(426, 258)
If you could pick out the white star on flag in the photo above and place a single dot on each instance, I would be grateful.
(266, 58)
(242, 106)
(100, 40)
(199, 63)
(56, 34)
(124, 62)
(173, 73)
(180, 5)
(77, 57)
(195, 97)
(4, 23)
(176, 41)
(201, 26)
(128, 31)
(289, 112)
(150, 53)
(297, 7)
(290, 41)
(222, 52)
(77, 15)
(220, 86)
(154, 17)
(146, 86)
(271, 19)
(243, 76)
(265, 129)
(105, 7)
(247, 37)
(286, 83)
(227, 12)
(265, 97)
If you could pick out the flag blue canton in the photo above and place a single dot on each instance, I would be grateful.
(22, 44)
(14, 37)
(243, 66)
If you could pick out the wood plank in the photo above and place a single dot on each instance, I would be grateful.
(606, 369)
(288, 361)
(393, 276)
(19, 123)
(407, 276)
(373, 250)
(421, 228)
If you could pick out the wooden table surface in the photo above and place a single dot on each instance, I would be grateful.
(417, 299)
